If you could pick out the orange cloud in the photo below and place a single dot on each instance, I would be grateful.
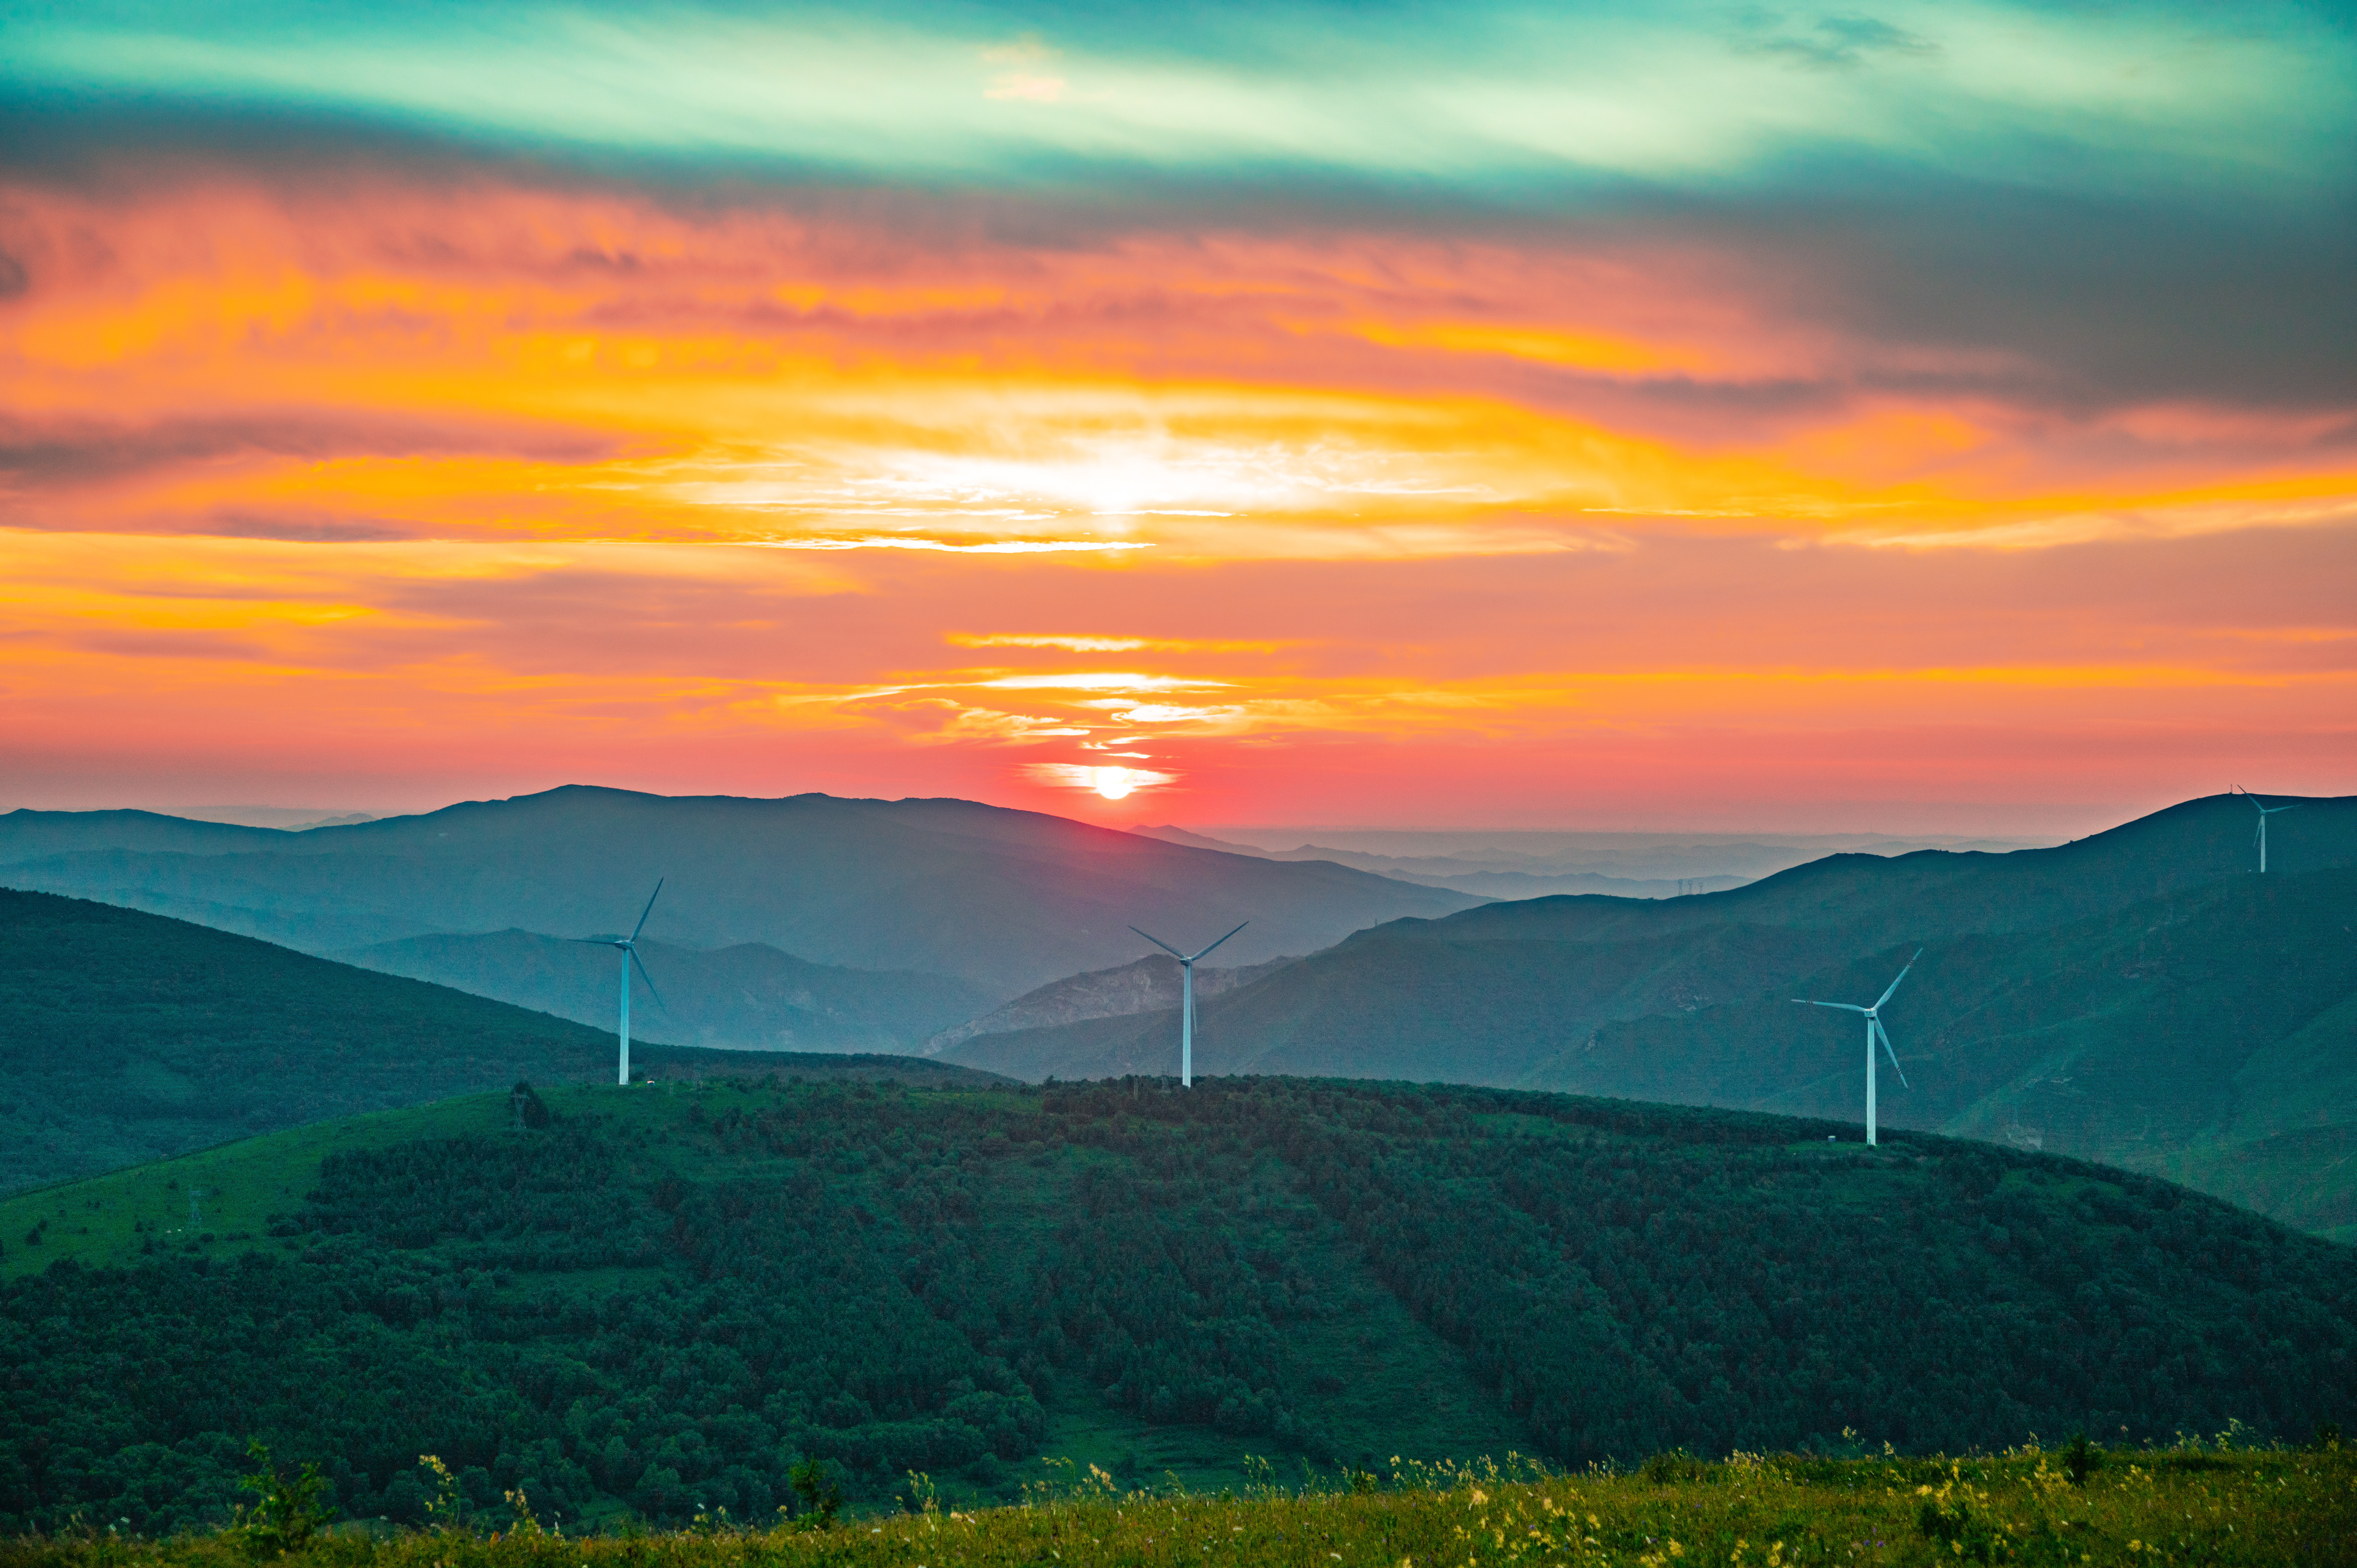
(745, 381)
(465, 464)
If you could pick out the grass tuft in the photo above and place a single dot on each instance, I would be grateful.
(2271, 1506)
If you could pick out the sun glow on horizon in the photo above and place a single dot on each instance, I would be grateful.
(1114, 783)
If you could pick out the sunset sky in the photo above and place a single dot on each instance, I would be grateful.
(1459, 415)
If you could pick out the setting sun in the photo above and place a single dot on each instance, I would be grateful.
(1112, 783)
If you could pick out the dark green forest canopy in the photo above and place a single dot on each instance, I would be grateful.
(666, 1301)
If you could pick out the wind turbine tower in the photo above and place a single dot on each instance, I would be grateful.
(629, 947)
(1186, 1002)
(1874, 1030)
(2265, 812)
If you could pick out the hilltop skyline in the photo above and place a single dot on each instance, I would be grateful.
(1386, 415)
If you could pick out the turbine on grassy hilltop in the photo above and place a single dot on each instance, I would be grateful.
(1186, 1003)
(630, 950)
(2265, 812)
(1873, 1029)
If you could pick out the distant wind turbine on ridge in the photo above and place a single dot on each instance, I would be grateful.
(1874, 1030)
(630, 950)
(1186, 1002)
(2265, 812)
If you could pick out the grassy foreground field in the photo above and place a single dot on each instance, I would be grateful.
(2275, 1507)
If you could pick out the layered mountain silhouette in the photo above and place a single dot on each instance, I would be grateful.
(134, 1036)
(746, 997)
(2204, 1037)
(2140, 997)
(2096, 998)
(1146, 986)
(1008, 900)
(1525, 864)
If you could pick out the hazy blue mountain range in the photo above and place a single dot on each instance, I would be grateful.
(133, 1036)
(1689, 1000)
(1145, 986)
(1389, 1005)
(1525, 864)
(30, 835)
(746, 997)
(1007, 900)
(295, 817)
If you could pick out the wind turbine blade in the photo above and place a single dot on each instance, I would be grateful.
(1166, 947)
(1207, 951)
(1902, 974)
(593, 941)
(1844, 1006)
(647, 910)
(645, 976)
(1887, 1051)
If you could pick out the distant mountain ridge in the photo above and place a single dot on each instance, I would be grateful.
(1533, 864)
(1148, 985)
(1931, 892)
(746, 997)
(1408, 1007)
(1006, 899)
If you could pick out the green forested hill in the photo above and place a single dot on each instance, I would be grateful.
(2210, 1036)
(132, 1036)
(2143, 947)
(663, 1299)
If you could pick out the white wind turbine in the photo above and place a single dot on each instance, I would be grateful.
(630, 950)
(1873, 1029)
(1186, 1002)
(2265, 812)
